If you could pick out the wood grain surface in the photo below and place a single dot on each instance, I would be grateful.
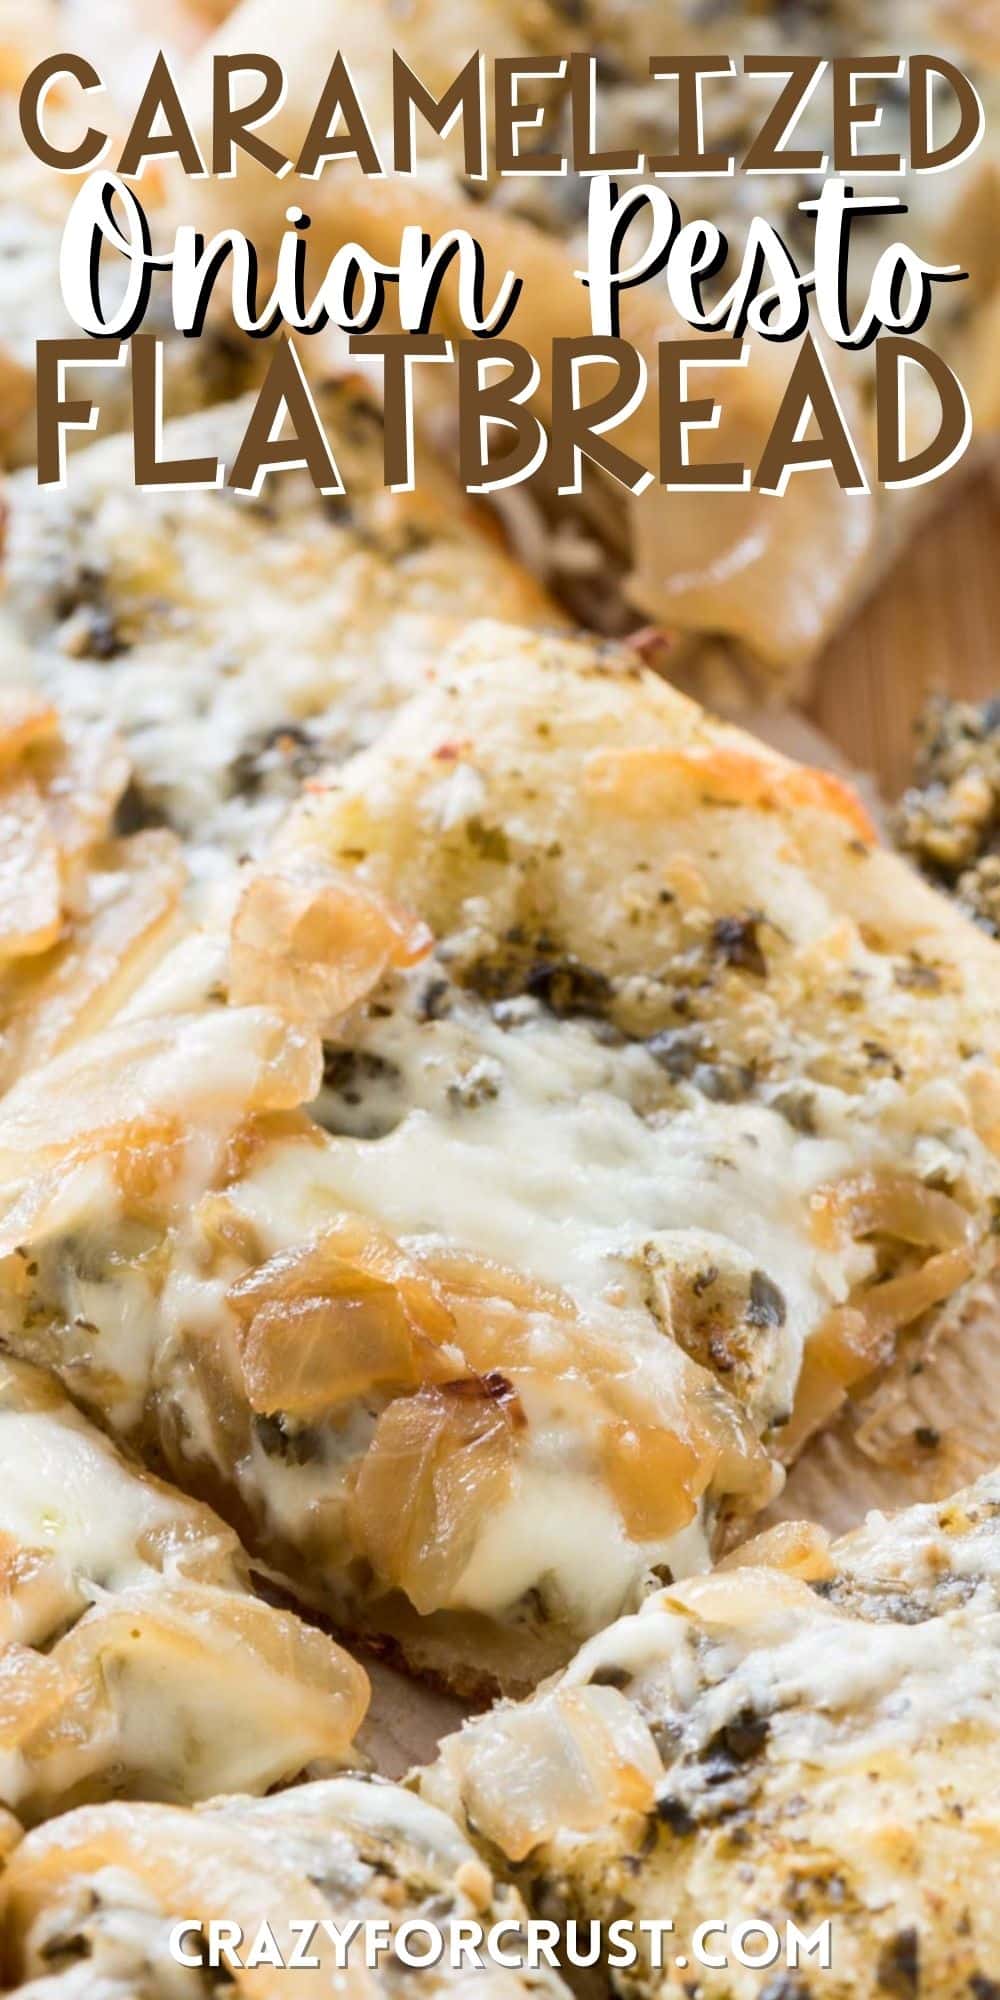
(934, 624)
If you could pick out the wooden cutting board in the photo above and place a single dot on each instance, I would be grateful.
(934, 624)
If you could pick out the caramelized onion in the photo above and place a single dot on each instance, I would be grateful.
(351, 1249)
(667, 1433)
(84, 781)
(36, 1594)
(857, 1339)
(75, 917)
(484, 1278)
(797, 1548)
(883, 1203)
(159, 1854)
(26, 719)
(30, 887)
(58, 793)
(315, 942)
(307, 1357)
(338, 1318)
(73, 990)
(702, 1442)
(69, 1715)
(292, 1677)
(568, 1762)
(899, 1301)
(439, 1464)
(45, 1706)
(144, 1097)
(656, 1478)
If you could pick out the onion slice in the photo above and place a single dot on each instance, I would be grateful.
(74, 989)
(568, 1762)
(345, 1315)
(316, 942)
(881, 1202)
(31, 914)
(440, 1462)
(151, 1105)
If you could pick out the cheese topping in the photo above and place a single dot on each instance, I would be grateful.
(101, 1892)
(238, 643)
(654, 1105)
(122, 1610)
(749, 1741)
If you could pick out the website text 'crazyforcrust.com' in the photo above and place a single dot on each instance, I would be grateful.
(463, 1943)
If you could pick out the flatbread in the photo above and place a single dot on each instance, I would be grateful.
(135, 1659)
(236, 643)
(652, 1112)
(775, 580)
(809, 1737)
(88, 1904)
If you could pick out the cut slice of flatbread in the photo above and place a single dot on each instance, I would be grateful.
(135, 1658)
(653, 1109)
(88, 1905)
(809, 1738)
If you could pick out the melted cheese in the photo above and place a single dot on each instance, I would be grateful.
(559, 1528)
(536, 1146)
(809, 1755)
(751, 1024)
(237, 644)
(122, 1608)
(336, 1852)
(67, 1492)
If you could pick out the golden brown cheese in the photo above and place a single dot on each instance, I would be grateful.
(134, 1657)
(809, 1737)
(87, 1906)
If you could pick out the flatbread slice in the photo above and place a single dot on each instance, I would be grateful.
(809, 1737)
(87, 1905)
(653, 1109)
(135, 1658)
(775, 579)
